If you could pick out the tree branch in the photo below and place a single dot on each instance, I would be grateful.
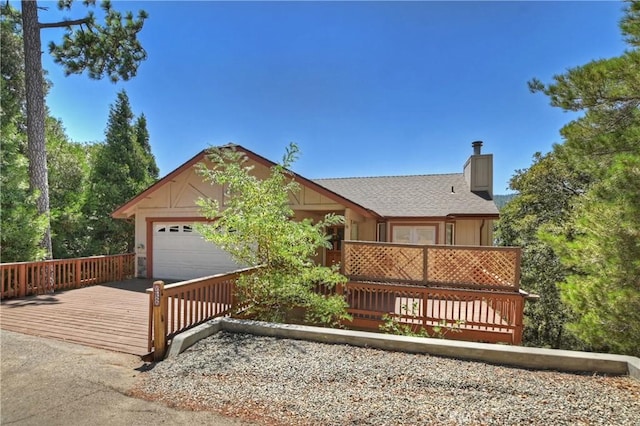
(65, 23)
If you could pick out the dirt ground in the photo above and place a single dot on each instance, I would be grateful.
(46, 381)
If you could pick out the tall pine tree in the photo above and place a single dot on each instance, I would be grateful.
(110, 49)
(142, 137)
(21, 227)
(595, 237)
(120, 170)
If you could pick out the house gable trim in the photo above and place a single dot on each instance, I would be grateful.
(122, 211)
(125, 211)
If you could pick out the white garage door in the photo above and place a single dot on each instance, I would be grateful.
(180, 252)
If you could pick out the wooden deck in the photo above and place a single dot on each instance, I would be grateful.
(110, 316)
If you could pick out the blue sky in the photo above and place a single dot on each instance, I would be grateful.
(364, 88)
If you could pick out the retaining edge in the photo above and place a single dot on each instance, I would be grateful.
(515, 356)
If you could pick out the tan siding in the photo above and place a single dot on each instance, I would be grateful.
(467, 232)
(367, 230)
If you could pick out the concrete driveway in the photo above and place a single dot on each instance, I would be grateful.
(46, 381)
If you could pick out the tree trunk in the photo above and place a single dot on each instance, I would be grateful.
(34, 90)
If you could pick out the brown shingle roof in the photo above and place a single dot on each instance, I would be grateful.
(413, 196)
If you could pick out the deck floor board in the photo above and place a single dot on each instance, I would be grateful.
(101, 316)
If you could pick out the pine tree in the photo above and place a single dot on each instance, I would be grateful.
(545, 191)
(111, 49)
(603, 255)
(142, 137)
(120, 170)
(21, 228)
(596, 242)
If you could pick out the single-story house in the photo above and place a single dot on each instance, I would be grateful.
(452, 209)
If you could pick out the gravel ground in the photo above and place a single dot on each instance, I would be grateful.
(289, 382)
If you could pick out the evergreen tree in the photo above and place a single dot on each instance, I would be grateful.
(68, 177)
(545, 191)
(21, 228)
(120, 170)
(596, 235)
(603, 257)
(142, 137)
(111, 49)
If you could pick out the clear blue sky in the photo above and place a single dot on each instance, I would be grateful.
(364, 88)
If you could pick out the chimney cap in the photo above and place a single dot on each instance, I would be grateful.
(477, 145)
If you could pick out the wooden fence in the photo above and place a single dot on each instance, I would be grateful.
(30, 278)
(177, 307)
(495, 268)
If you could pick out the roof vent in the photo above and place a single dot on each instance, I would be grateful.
(477, 147)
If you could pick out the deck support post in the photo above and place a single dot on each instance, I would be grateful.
(159, 321)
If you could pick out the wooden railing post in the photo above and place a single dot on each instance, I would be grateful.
(518, 321)
(159, 321)
(120, 268)
(22, 281)
(78, 273)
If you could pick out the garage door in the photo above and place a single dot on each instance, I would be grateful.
(180, 252)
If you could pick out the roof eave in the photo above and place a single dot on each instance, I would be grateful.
(473, 216)
(126, 210)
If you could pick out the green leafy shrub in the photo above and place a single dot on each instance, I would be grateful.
(392, 325)
(256, 228)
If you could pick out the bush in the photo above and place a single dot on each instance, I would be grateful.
(257, 229)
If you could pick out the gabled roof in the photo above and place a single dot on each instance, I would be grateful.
(438, 195)
(416, 196)
(125, 210)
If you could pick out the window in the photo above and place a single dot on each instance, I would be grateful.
(187, 228)
(413, 234)
(174, 228)
(382, 232)
(162, 229)
(450, 235)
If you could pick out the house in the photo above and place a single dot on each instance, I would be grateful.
(450, 209)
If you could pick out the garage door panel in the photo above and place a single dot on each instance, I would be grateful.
(179, 252)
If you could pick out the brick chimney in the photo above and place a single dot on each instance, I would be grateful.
(478, 171)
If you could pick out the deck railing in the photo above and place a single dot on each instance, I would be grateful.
(480, 315)
(30, 278)
(177, 307)
(496, 268)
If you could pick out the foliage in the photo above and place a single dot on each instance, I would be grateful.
(255, 226)
(68, 165)
(545, 191)
(577, 215)
(109, 49)
(603, 257)
(21, 227)
(142, 138)
(502, 200)
(414, 328)
(120, 169)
